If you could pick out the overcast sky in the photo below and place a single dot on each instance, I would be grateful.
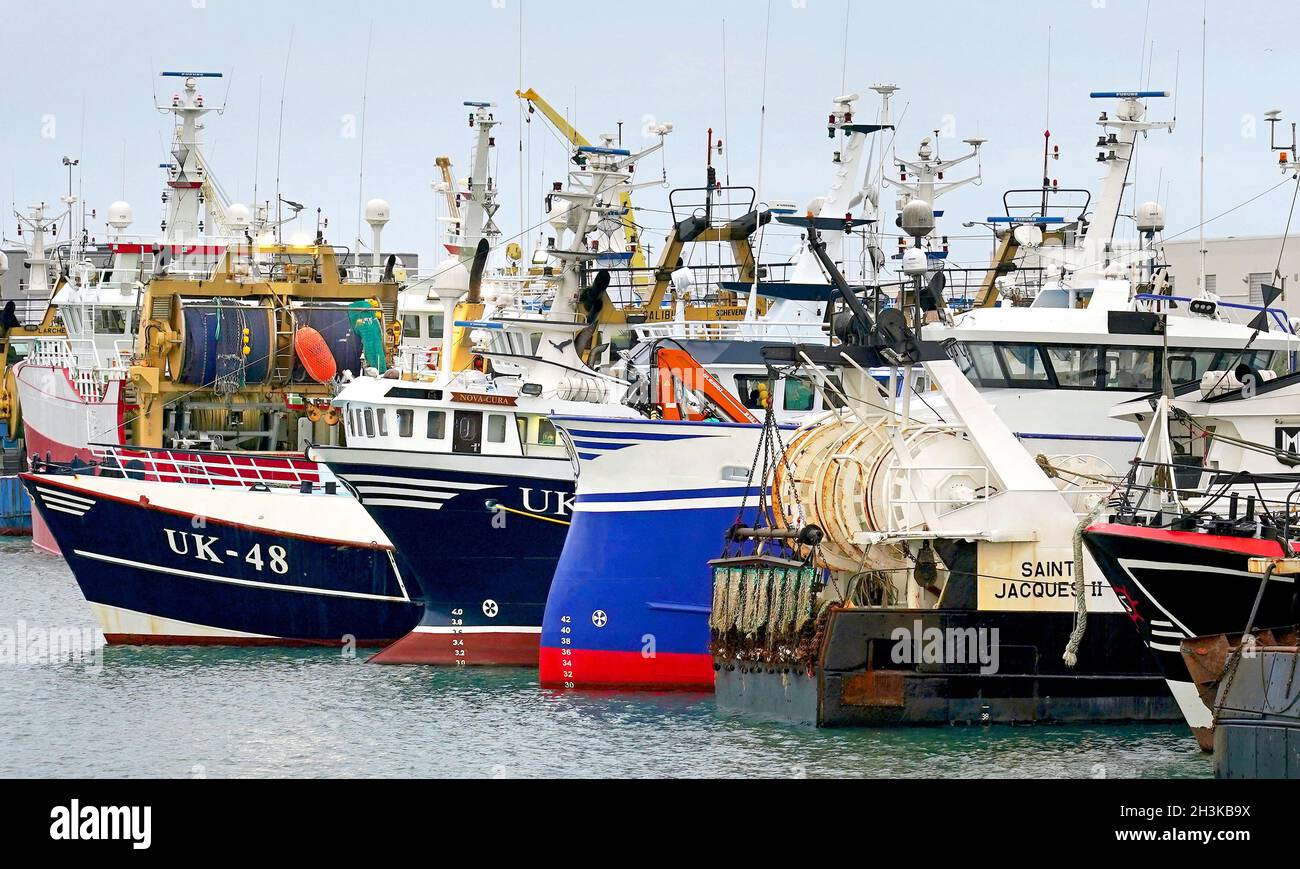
(81, 76)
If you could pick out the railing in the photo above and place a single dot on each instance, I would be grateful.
(81, 359)
(1160, 305)
(216, 470)
(754, 330)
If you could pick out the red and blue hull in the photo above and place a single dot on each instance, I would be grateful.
(482, 536)
(156, 574)
(629, 606)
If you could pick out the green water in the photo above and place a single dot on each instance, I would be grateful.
(237, 713)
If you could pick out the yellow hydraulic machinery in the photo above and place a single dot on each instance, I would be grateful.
(218, 360)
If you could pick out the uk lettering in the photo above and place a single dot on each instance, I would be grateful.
(209, 550)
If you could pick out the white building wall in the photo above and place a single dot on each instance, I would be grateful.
(1230, 264)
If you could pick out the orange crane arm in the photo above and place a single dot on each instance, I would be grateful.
(676, 366)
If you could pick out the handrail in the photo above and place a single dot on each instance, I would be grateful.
(212, 469)
(1278, 315)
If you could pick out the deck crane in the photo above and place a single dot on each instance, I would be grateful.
(577, 140)
(449, 188)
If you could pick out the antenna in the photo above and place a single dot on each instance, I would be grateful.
(257, 148)
(1205, 41)
(365, 97)
(279, 145)
(726, 114)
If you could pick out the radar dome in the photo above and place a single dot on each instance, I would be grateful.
(918, 218)
(239, 217)
(915, 262)
(4, 263)
(378, 212)
(451, 277)
(120, 215)
(1150, 217)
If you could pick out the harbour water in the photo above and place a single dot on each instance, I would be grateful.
(219, 713)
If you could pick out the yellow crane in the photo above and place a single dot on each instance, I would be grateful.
(577, 140)
(449, 190)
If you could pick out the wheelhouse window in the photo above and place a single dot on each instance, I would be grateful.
(979, 362)
(110, 321)
(1075, 367)
(437, 425)
(754, 392)
(370, 422)
(800, 395)
(546, 435)
(405, 423)
(1131, 369)
(1063, 297)
(1023, 364)
(411, 326)
(382, 416)
(496, 433)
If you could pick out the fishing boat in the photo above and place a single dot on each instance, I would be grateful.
(906, 572)
(463, 471)
(1072, 319)
(1180, 542)
(1208, 500)
(217, 390)
(164, 559)
(615, 620)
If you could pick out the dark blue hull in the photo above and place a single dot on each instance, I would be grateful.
(161, 577)
(482, 545)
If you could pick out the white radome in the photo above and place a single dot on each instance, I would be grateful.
(1150, 217)
(239, 217)
(4, 263)
(451, 277)
(915, 262)
(120, 215)
(378, 212)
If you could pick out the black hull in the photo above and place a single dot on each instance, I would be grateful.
(1179, 586)
(856, 682)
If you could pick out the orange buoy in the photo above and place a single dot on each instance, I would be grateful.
(315, 355)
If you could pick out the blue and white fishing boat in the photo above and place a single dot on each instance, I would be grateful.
(615, 619)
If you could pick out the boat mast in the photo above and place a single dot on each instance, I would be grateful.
(186, 174)
(481, 201)
(1116, 147)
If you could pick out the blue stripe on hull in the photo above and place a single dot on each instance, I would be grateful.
(132, 558)
(476, 567)
(645, 575)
